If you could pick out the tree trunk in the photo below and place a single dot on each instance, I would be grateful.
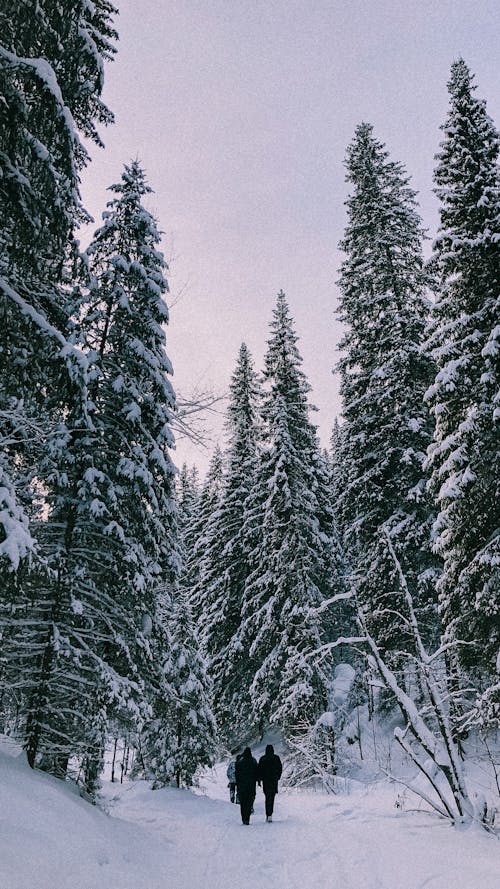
(114, 761)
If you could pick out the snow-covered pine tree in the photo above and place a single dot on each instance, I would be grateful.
(187, 490)
(465, 341)
(196, 534)
(187, 495)
(339, 618)
(52, 75)
(123, 317)
(181, 737)
(281, 626)
(338, 472)
(181, 734)
(109, 536)
(384, 375)
(51, 79)
(224, 567)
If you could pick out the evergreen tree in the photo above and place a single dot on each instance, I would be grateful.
(182, 734)
(225, 561)
(51, 74)
(197, 534)
(339, 617)
(384, 375)
(465, 340)
(281, 626)
(180, 737)
(188, 495)
(338, 472)
(123, 316)
(188, 499)
(109, 536)
(51, 79)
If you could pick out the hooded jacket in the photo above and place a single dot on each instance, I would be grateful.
(270, 769)
(246, 772)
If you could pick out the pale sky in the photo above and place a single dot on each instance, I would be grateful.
(240, 112)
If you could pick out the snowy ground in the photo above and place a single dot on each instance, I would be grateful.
(169, 839)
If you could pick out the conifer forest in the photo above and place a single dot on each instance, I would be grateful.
(157, 617)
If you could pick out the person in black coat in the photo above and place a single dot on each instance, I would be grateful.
(246, 780)
(269, 772)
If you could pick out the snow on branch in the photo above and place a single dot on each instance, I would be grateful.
(339, 597)
(341, 640)
(44, 326)
(42, 69)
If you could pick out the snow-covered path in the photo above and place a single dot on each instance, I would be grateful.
(170, 839)
(358, 841)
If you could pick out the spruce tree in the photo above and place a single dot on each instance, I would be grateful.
(51, 79)
(384, 375)
(181, 737)
(339, 616)
(51, 74)
(188, 495)
(338, 472)
(198, 531)
(465, 341)
(188, 499)
(123, 315)
(281, 626)
(224, 568)
(109, 536)
(181, 734)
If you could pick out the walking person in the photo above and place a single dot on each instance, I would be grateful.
(231, 777)
(269, 772)
(246, 781)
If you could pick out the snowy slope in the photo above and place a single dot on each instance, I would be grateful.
(51, 839)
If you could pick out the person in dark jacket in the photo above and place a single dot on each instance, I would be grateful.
(231, 777)
(269, 772)
(246, 780)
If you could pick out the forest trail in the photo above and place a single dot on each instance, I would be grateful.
(175, 839)
(316, 841)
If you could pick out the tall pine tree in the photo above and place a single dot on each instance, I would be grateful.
(109, 536)
(465, 341)
(51, 79)
(224, 568)
(281, 626)
(123, 317)
(384, 375)
(181, 737)
(197, 534)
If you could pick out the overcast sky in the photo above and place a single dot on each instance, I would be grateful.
(240, 111)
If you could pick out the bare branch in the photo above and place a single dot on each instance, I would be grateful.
(340, 597)
(419, 793)
(189, 419)
(341, 640)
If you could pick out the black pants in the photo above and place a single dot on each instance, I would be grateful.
(247, 798)
(270, 791)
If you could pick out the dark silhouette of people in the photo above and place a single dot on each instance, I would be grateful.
(269, 772)
(246, 780)
(231, 777)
